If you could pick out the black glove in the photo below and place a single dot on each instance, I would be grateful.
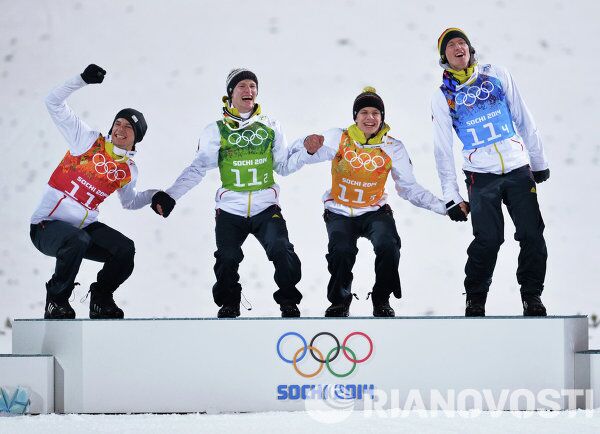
(93, 74)
(541, 175)
(166, 202)
(455, 213)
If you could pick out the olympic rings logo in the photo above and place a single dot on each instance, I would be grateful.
(248, 137)
(107, 168)
(364, 160)
(475, 93)
(324, 361)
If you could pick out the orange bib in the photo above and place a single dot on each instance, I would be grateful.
(358, 175)
(91, 177)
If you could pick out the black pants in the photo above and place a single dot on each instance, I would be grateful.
(270, 230)
(379, 228)
(517, 190)
(70, 245)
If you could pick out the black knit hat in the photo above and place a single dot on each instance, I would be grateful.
(237, 75)
(446, 36)
(368, 98)
(137, 121)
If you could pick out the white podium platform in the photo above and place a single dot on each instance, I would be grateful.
(263, 364)
(589, 361)
(35, 373)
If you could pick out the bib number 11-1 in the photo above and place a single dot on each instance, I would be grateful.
(253, 174)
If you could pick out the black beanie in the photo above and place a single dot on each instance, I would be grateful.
(451, 33)
(237, 75)
(137, 121)
(368, 98)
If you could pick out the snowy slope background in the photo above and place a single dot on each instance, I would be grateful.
(170, 60)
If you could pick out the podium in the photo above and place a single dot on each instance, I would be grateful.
(274, 364)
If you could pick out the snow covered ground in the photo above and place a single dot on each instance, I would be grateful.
(580, 422)
(170, 60)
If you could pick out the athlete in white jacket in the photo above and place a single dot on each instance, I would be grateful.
(361, 158)
(246, 146)
(65, 223)
(503, 159)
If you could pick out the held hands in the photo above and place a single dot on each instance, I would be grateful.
(93, 74)
(313, 143)
(162, 203)
(458, 212)
(541, 175)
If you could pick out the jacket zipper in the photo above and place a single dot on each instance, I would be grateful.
(501, 159)
(249, 202)
(84, 218)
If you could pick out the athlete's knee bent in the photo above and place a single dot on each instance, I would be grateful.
(279, 248)
(80, 241)
(126, 250)
(388, 246)
(530, 236)
(229, 256)
(489, 244)
(342, 253)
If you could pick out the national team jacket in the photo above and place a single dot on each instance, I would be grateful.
(483, 112)
(91, 170)
(246, 158)
(359, 172)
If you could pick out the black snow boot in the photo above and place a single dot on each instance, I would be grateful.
(289, 311)
(382, 309)
(476, 304)
(229, 311)
(338, 310)
(58, 306)
(58, 309)
(103, 306)
(532, 305)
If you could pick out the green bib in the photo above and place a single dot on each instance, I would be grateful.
(246, 157)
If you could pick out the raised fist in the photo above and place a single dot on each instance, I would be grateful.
(93, 74)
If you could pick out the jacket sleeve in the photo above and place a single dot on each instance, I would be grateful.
(128, 195)
(286, 160)
(207, 157)
(78, 134)
(524, 122)
(406, 185)
(442, 148)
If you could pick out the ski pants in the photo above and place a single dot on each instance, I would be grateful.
(70, 245)
(270, 230)
(378, 227)
(517, 190)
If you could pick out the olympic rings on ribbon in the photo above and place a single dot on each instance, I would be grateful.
(364, 160)
(248, 137)
(474, 93)
(107, 168)
(324, 361)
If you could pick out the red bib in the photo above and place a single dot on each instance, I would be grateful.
(91, 177)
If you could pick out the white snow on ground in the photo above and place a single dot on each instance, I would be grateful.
(580, 422)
